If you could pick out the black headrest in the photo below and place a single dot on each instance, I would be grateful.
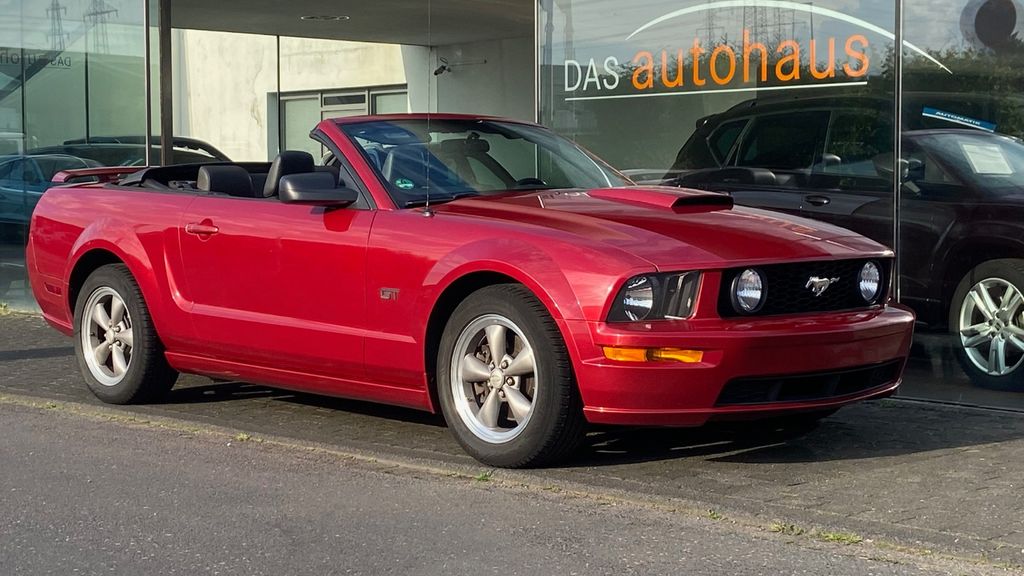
(287, 162)
(332, 170)
(231, 180)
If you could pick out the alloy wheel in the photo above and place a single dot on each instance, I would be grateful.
(107, 336)
(991, 326)
(493, 378)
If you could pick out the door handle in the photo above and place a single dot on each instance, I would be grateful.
(200, 229)
(817, 200)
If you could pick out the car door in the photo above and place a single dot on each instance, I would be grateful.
(935, 206)
(20, 186)
(851, 186)
(278, 286)
(787, 144)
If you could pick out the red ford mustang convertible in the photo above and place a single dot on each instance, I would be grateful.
(482, 267)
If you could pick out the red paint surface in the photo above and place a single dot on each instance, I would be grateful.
(289, 295)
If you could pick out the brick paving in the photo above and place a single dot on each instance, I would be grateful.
(930, 476)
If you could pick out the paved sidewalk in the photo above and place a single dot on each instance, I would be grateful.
(929, 477)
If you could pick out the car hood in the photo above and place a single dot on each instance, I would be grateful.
(672, 227)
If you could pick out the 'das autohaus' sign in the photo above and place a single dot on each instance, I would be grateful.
(31, 58)
(735, 45)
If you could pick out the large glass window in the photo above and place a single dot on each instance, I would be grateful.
(72, 95)
(961, 243)
(803, 93)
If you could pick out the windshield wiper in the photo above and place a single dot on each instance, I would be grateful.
(433, 200)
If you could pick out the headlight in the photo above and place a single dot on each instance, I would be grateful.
(655, 297)
(748, 291)
(870, 282)
(638, 297)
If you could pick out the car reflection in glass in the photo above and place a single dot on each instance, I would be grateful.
(831, 159)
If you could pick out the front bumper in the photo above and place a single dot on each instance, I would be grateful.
(744, 352)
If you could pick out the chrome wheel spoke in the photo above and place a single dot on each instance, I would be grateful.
(116, 311)
(975, 329)
(1011, 301)
(979, 301)
(120, 363)
(1017, 342)
(488, 413)
(496, 334)
(1015, 330)
(125, 337)
(101, 353)
(100, 316)
(997, 356)
(986, 297)
(474, 370)
(977, 340)
(519, 404)
(522, 364)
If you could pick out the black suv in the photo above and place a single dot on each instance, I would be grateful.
(962, 213)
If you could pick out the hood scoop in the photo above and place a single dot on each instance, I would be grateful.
(674, 199)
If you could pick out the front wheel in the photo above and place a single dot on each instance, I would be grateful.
(117, 348)
(505, 381)
(987, 321)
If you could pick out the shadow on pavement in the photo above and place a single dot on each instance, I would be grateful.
(228, 391)
(872, 430)
(36, 353)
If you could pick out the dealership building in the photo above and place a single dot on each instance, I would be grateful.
(804, 107)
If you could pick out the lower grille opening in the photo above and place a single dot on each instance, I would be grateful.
(805, 387)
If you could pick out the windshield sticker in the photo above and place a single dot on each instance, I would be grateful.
(986, 159)
(405, 183)
(958, 119)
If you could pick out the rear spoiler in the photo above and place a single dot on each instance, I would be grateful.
(103, 175)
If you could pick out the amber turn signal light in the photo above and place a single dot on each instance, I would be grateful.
(653, 354)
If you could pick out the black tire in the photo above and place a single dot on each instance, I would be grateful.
(148, 376)
(555, 426)
(1011, 272)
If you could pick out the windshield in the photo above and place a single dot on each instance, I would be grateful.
(455, 158)
(988, 161)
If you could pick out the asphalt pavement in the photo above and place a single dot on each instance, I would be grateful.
(87, 495)
(907, 484)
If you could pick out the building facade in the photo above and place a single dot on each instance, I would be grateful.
(899, 119)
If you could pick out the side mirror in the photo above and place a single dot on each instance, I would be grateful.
(915, 169)
(883, 166)
(829, 160)
(315, 189)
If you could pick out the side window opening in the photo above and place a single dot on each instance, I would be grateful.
(857, 140)
(724, 138)
(785, 141)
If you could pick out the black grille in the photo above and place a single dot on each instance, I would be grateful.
(786, 290)
(805, 387)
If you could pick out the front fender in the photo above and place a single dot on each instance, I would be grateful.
(541, 274)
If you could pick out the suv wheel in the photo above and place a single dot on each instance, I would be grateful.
(987, 321)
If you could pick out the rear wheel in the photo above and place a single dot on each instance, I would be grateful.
(505, 380)
(987, 321)
(117, 348)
